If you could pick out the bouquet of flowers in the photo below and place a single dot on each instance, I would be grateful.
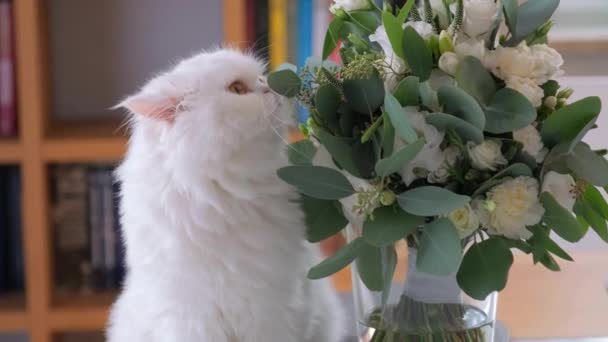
(445, 126)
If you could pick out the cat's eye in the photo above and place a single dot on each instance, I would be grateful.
(238, 87)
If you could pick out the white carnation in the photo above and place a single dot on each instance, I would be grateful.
(487, 155)
(532, 142)
(514, 206)
(539, 62)
(424, 29)
(561, 187)
(449, 61)
(450, 155)
(430, 158)
(528, 88)
(480, 18)
(465, 221)
(349, 5)
(395, 65)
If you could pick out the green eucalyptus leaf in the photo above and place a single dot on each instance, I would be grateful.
(592, 217)
(398, 160)
(285, 82)
(440, 250)
(530, 16)
(417, 54)
(542, 238)
(588, 165)
(510, 8)
(389, 264)
(287, 66)
(571, 123)
(485, 268)
(323, 218)
(560, 220)
(327, 102)
(388, 225)
(550, 88)
(514, 170)
(399, 119)
(369, 266)
(388, 140)
(367, 20)
(341, 151)
(431, 201)
(465, 130)
(301, 152)
(332, 37)
(316, 181)
(364, 95)
(408, 91)
(338, 261)
(476, 80)
(509, 111)
(394, 31)
(457, 102)
(365, 158)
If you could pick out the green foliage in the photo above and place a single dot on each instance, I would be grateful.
(530, 16)
(316, 181)
(332, 37)
(408, 91)
(508, 111)
(364, 96)
(394, 32)
(476, 80)
(399, 119)
(389, 262)
(285, 82)
(367, 20)
(340, 149)
(570, 123)
(586, 209)
(513, 170)
(560, 219)
(510, 8)
(465, 130)
(440, 250)
(388, 225)
(388, 136)
(541, 244)
(369, 266)
(588, 165)
(431, 201)
(327, 102)
(485, 268)
(398, 160)
(323, 218)
(457, 102)
(301, 152)
(338, 261)
(417, 54)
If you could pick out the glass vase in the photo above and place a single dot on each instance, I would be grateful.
(419, 306)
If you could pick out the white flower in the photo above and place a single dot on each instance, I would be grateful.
(550, 102)
(532, 141)
(430, 158)
(487, 155)
(449, 61)
(539, 62)
(465, 221)
(424, 29)
(349, 5)
(441, 11)
(528, 88)
(450, 155)
(561, 188)
(395, 65)
(480, 18)
(514, 206)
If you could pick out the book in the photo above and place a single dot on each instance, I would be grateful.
(108, 229)
(261, 44)
(278, 32)
(16, 269)
(119, 249)
(8, 110)
(4, 286)
(96, 226)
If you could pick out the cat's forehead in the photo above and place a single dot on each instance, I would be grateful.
(222, 63)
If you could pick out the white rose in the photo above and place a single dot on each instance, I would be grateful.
(430, 157)
(528, 88)
(424, 29)
(480, 18)
(532, 142)
(487, 155)
(441, 11)
(465, 221)
(561, 187)
(349, 5)
(514, 206)
(539, 62)
(394, 64)
(450, 155)
(448, 62)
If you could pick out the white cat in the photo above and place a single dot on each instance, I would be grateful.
(215, 241)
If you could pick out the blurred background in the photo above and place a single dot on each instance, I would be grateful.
(63, 63)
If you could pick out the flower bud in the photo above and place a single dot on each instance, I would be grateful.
(387, 198)
(446, 42)
(565, 94)
(489, 205)
(550, 102)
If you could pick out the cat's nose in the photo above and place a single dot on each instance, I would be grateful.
(263, 84)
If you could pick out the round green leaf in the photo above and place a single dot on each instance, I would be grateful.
(301, 152)
(408, 91)
(431, 201)
(327, 102)
(464, 129)
(332, 37)
(440, 250)
(388, 136)
(475, 79)
(485, 268)
(285, 82)
(323, 218)
(508, 111)
(571, 123)
(338, 261)
(316, 181)
(369, 266)
(389, 225)
(395, 162)
(417, 54)
(510, 8)
(560, 220)
(399, 119)
(530, 16)
(340, 149)
(364, 95)
(457, 102)
(588, 165)
(367, 20)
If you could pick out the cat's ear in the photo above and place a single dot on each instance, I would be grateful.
(154, 107)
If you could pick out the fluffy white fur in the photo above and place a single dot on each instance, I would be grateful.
(215, 242)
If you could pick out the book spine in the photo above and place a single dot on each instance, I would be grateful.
(3, 232)
(250, 23)
(16, 267)
(278, 32)
(119, 247)
(96, 229)
(304, 39)
(8, 110)
(262, 22)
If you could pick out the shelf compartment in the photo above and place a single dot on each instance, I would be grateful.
(11, 151)
(13, 317)
(81, 312)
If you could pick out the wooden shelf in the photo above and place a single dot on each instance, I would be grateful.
(13, 317)
(11, 151)
(73, 312)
